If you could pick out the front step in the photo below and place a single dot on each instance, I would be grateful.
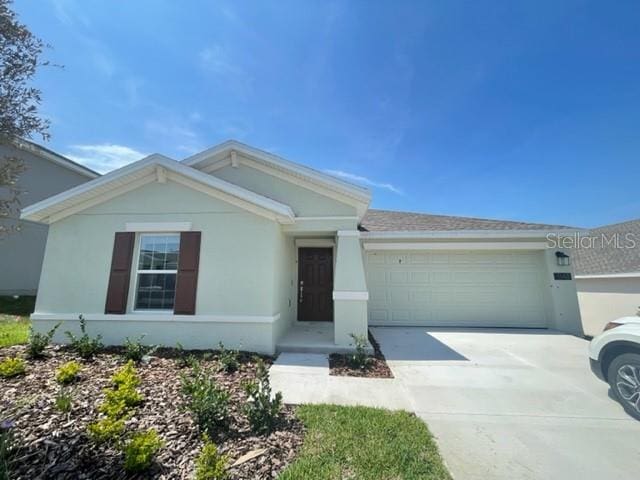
(312, 337)
(318, 348)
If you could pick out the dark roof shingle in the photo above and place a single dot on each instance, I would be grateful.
(616, 250)
(387, 220)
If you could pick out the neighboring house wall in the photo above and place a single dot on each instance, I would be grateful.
(242, 275)
(21, 252)
(605, 299)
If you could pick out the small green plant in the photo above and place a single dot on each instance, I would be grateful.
(210, 464)
(7, 445)
(126, 376)
(12, 367)
(208, 402)
(106, 430)
(68, 372)
(85, 346)
(140, 450)
(123, 396)
(135, 350)
(39, 341)
(183, 358)
(359, 359)
(228, 359)
(262, 408)
(64, 401)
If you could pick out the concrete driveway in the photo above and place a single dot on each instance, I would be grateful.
(513, 404)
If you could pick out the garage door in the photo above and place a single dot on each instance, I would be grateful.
(456, 288)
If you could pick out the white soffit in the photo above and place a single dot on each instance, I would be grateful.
(154, 168)
(541, 235)
(456, 246)
(609, 275)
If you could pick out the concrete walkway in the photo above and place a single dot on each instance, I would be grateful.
(304, 378)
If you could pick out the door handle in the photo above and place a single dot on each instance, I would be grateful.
(300, 291)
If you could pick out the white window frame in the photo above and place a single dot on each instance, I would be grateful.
(138, 272)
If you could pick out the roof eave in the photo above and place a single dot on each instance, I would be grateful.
(41, 211)
(467, 234)
(54, 157)
(357, 192)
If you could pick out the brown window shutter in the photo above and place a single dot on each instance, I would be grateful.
(120, 273)
(187, 280)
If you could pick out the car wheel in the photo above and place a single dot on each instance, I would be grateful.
(624, 378)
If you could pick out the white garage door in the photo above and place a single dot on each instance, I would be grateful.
(456, 288)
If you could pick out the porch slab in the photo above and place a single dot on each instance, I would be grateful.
(312, 337)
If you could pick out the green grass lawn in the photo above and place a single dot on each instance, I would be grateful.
(365, 443)
(14, 319)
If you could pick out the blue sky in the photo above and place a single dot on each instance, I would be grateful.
(513, 110)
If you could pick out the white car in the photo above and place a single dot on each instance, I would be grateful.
(614, 356)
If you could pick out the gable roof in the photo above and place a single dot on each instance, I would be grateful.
(50, 155)
(607, 258)
(393, 221)
(151, 169)
(221, 155)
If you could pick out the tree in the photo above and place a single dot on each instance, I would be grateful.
(20, 53)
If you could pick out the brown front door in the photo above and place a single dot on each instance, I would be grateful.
(315, 284)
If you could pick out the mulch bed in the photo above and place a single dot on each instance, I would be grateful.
(340, 365)
(55, 445)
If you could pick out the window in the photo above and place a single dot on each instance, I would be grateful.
(157, 271)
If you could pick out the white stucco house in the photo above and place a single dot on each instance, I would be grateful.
(608, 275)
(237, 245)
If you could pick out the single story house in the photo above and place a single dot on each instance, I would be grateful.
(238, 245)
(21, 252)
(607, 271)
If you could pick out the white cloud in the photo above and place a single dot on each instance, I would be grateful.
(68, 13)
(169, 128)
(218, 61)
(364, 181)
(104, 157)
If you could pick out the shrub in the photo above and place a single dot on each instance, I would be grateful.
(208, 403)
(39, 341)
(63, 401)
(183, 358)
(126, 376)
(135, 350)
(68, 372)
(140, 450)
(117, 403)
(85, 346)
(359, 359)
(229, 359)
(7, 444)
(106, 430)
(12, 367)
(261, 409)
(123, 396)
(211, 465)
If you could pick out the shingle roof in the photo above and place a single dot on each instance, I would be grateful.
(387, 220)
(607, 257)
